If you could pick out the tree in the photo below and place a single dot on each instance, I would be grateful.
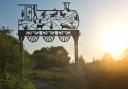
(107, 57)
(50, 57)
(10, 59)
(81, 61)
(9, 53)
(125, 54)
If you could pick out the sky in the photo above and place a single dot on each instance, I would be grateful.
(96, 18)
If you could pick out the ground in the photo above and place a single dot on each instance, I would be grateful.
(40, 84)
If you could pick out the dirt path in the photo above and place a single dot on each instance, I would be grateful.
(40, 84)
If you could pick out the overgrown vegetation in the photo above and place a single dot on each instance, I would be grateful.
(52, 65)
(50, 57)
(24, 84)
(106, 73)
(10, 60)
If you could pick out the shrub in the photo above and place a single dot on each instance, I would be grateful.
(24, 84)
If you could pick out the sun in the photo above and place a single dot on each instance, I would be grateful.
(114, 40)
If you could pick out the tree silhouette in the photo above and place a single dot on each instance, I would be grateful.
(107, 58)
(10, 60)
(50, 57)
(125, 54)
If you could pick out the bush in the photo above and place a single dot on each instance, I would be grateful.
(24, 84)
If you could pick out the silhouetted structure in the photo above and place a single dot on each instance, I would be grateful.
(48, 24)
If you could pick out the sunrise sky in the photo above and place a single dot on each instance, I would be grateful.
(103, 25)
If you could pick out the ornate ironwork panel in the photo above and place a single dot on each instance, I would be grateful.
(47, 23)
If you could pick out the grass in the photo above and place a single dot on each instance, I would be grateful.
(24, 84)
(58, 77)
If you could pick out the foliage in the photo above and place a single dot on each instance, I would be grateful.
(24, 84)
(125, 55)
(107, 58)
(106, 73)
(57, 77)
(99, 74)
(10, 60)
(50, 57)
